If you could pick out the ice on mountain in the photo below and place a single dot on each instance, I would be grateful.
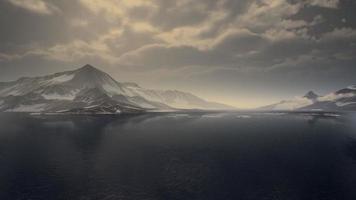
(61, 79)
(55, 96)
(112, 90)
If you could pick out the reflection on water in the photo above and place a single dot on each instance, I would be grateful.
(351, 149)
(178, 156)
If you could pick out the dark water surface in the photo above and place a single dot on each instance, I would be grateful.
(220, 156)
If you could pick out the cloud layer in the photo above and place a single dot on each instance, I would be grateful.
(35, 6)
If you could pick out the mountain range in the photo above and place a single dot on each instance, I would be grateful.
(341, 100)
(90, 90)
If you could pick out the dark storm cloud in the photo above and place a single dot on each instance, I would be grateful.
(230, 43)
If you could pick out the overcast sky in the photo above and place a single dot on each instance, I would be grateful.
(242, 52)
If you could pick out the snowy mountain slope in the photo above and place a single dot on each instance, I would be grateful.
(89, 90)
(173, 98)
(341, 100)
(293, 104)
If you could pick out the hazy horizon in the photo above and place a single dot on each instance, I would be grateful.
(246, 53)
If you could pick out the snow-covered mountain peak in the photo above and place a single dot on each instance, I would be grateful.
(311, 95)
(91, 77)
(89, 68)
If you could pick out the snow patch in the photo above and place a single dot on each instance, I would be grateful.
(61, 79)
(296, 103)
(61, 111)
(56, 96)
(331, 115)
(10, 91)
(111, 89)
(334, 97)
(175, 100)
(142, 104)
(274, 113)
(178, 115)
(352, 87)
(342, 104)
(243, 116)
(92, 106)
(217, 115)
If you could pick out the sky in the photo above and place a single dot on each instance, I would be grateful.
(246, 53)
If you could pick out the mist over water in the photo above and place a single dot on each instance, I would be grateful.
(178, 156)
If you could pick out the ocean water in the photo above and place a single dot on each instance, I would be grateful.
(168, 156)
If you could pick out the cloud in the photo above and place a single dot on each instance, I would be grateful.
(157, 56)
(238, 41)
(75, 50)
(8, 57)
(79, 23)
(340, 33)
(227, 49)
(106, 47)
(324, 3)
(114, 9)
(266, 13)
(79, 49)
(263, 33)
(35, 6)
